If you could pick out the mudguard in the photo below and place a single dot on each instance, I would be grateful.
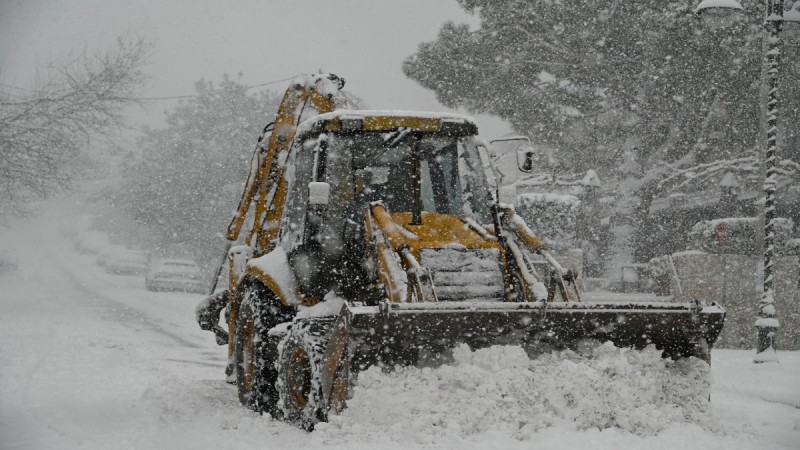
(274, 271)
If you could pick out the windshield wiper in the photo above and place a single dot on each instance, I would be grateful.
(394, 139)
(391, 141)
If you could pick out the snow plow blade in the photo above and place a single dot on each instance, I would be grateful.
(421, 333)
(393, 334)
(400, 333)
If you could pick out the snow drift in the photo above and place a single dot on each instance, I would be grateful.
(500, 390)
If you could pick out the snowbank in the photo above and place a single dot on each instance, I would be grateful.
(499, 393)
(553, 217)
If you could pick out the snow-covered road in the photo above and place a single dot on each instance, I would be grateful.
(92, 360)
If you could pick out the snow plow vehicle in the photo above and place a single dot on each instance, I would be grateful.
(377, 238)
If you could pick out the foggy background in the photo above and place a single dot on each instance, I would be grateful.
(364, 41)
(127, 129)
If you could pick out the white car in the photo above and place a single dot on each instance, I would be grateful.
(175, 275)
(91, 242)
(127, 262)
(106, 252)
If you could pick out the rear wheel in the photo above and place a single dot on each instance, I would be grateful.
(255, 350)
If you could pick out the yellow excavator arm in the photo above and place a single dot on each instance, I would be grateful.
(318, 89)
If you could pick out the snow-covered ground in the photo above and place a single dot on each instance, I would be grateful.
(92, 360)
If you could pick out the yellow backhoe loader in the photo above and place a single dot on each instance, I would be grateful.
(379, 238)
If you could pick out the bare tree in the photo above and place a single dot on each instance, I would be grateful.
(44, 132)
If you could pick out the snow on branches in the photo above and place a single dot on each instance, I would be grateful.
(44, 132)
(746, 168)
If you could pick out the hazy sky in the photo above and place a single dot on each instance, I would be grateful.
(364, 41)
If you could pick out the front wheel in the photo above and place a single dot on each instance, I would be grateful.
(256, 351)
(301, 356)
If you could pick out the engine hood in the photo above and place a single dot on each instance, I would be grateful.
(440, 231)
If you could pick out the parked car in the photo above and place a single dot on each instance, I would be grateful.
(7, 264)
(91, 242)
(175, 275)
(106, 253)
(127, 262)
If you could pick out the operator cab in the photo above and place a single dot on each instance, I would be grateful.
(411, 162)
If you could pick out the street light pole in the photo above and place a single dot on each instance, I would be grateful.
(767, 323)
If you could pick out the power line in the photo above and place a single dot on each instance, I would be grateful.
(10, 94)
(170, 97)
(273, 82)
(13, 87)
(175, 97)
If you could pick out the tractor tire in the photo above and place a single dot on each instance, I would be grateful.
(301, 355)
(340, 389)
(255, 351)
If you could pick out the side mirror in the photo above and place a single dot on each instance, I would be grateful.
(319, 194)
(515, 149)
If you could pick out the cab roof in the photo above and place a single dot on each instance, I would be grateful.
(353, 121)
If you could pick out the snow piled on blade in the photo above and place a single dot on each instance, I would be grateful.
(500, 391)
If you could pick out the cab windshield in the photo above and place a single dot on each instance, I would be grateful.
(385, 166)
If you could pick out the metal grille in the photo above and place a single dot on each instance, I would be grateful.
(465, 274)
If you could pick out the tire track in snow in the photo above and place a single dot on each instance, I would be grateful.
(55, 246)
(199, 363)
(120, 309)
(754, 394)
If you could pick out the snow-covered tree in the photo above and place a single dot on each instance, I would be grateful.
(188, 180)
(45, 132)
(654, 98)
(586, 76)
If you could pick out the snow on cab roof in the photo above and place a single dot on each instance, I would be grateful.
(362, 113)
(386, 120)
